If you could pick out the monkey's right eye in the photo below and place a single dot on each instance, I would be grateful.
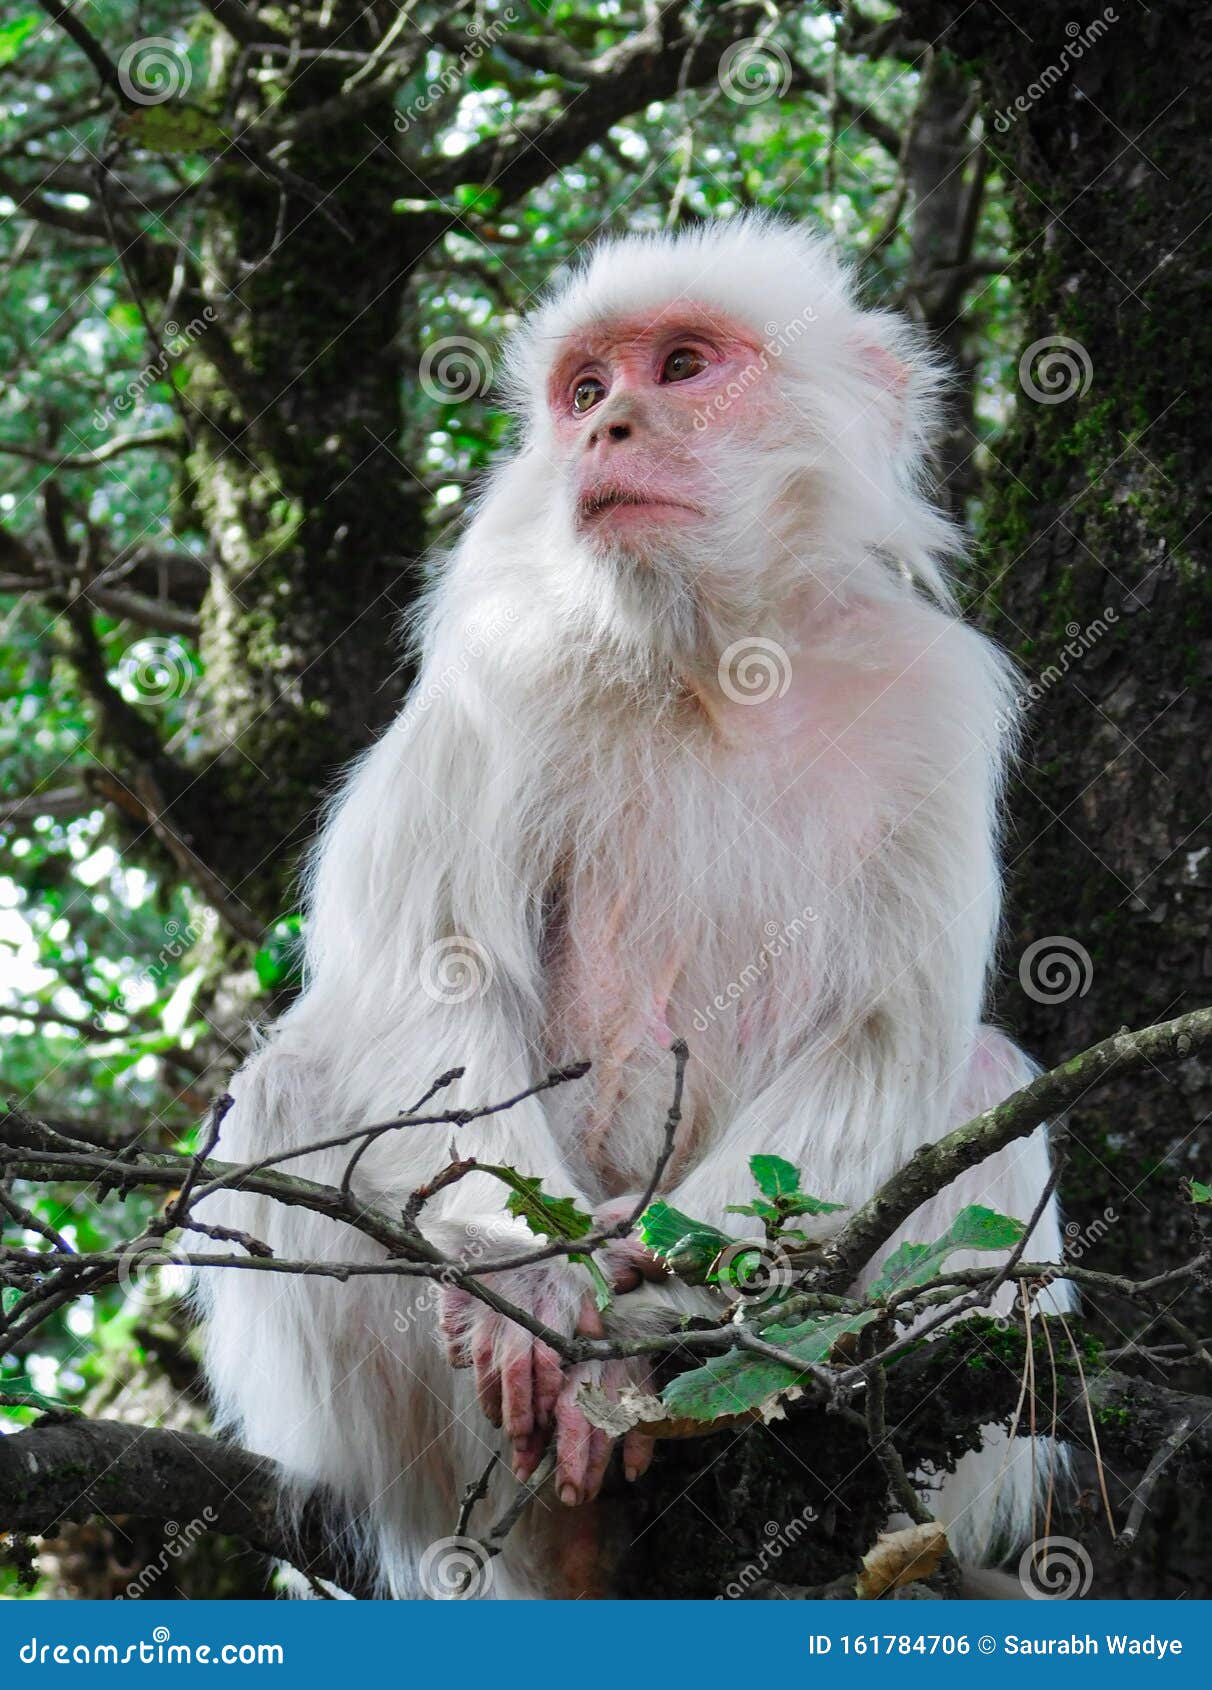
(586, 394)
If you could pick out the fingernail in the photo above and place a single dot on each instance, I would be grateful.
(568, 1495)
(630, 1473)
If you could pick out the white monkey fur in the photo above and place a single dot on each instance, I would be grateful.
(551, 745)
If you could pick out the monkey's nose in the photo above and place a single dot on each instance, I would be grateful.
(612, 431)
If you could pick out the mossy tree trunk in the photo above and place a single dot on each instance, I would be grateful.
(1098, 555)
(316, 522)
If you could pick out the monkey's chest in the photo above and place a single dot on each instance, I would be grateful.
(720, 955)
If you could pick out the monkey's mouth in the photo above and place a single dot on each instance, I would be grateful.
(609, 500)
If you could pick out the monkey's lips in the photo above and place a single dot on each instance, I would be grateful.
(619, 508)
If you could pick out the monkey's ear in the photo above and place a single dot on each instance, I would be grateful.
(887, 379)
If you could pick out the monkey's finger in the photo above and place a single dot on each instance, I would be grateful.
(600, 1446)
(573, 1438)
(589, 1321)
(526, 1457)
(517, 1390)
(638, 1451)
(488, 1375)
(548, 1383)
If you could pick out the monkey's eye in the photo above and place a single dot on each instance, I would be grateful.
(682, 363)
(587, 393)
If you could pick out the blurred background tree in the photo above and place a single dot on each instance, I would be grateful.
(258, 263)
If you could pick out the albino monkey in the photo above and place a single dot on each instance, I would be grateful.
(698, 748)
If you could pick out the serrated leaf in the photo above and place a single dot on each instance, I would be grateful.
(663, 1228)
(775, 1177)
(974, 1228)
(779, 1180)
(551, 1217)
(1200, 1193)
(738, 1381)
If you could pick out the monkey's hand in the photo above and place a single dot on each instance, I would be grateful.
(521, 1384)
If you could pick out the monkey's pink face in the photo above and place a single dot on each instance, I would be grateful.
(634, 402)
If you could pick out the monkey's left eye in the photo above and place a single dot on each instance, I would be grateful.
(682, 363)
(586, 394)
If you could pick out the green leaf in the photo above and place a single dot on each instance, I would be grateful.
(737, 1381)
(663, 1228)
(14, 35)
(774, 1176)
(551, 1217)
(780, 1181)
(974, 1228)
(1200, 1193)
(759, 1208)
(170, 128)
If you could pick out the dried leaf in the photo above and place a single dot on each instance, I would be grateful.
(901, 1558)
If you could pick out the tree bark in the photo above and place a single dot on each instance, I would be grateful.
(1099, 583)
